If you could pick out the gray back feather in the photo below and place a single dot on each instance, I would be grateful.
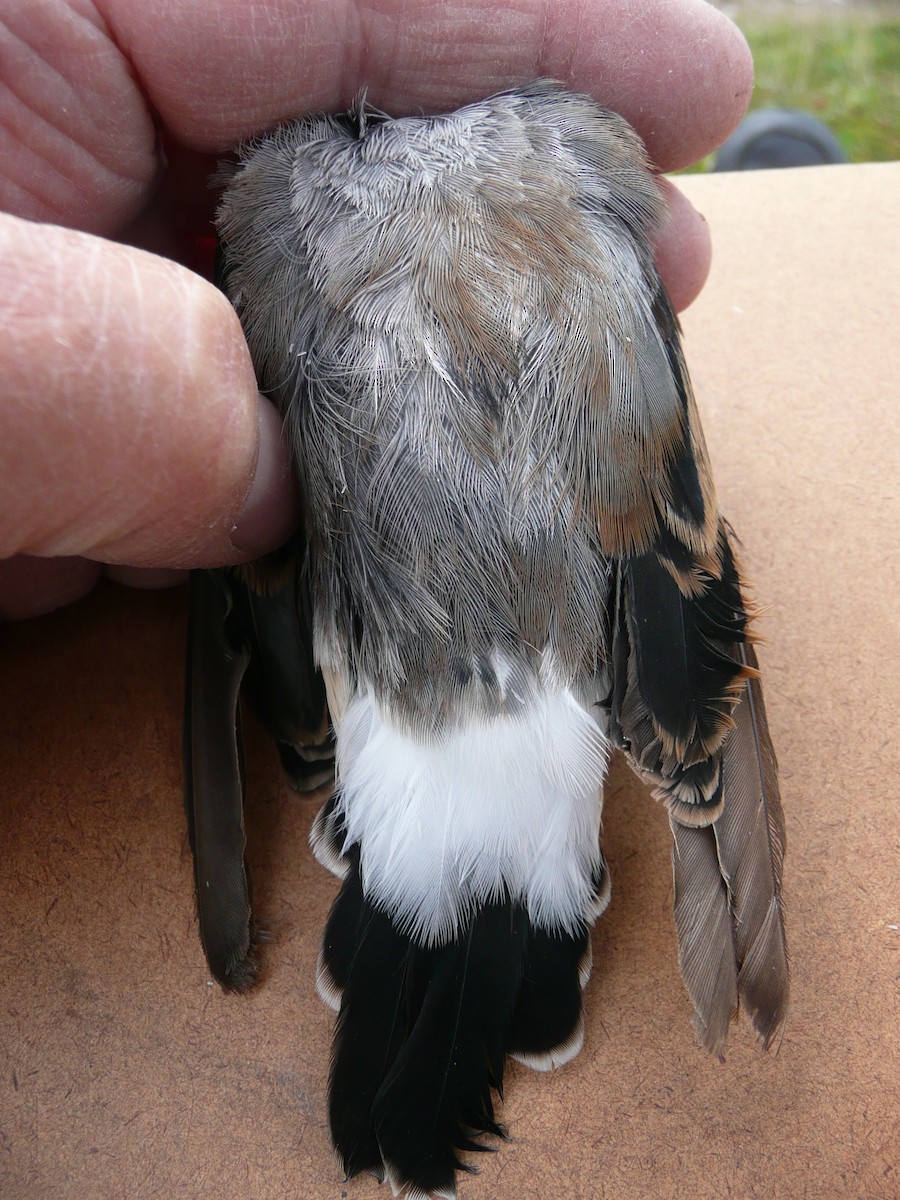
(455, 315)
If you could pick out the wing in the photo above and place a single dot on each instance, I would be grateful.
(214, 782)
(272, 616)
(686, 706)
(677, 612)
(728, 907)
(249, 629)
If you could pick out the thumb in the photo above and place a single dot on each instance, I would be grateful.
(131, 428)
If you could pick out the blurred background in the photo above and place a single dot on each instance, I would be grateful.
(837, 61)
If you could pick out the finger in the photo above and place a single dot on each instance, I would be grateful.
(77, 139)
(677, 69)
(683, 251)
(30, 587)
(131, 430)
(145, 578)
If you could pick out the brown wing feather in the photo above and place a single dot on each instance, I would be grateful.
(728, 910)
(651, 485)
(705, 935)
(750, 840)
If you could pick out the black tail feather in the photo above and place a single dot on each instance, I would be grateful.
(439, 1087)
(374, 1021)
(547, 1023)
(343, 931)
(422, 1034)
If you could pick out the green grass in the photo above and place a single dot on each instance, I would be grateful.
(843, 68)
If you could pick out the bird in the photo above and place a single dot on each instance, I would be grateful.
(511, 564)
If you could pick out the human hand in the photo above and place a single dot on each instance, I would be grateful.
(131, 430)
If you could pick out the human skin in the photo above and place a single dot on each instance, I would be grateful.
(131, 429)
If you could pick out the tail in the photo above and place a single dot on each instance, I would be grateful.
(471, 866)
(422, 1032)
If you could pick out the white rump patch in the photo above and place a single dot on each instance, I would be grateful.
(502, 806)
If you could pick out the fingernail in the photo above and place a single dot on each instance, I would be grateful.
(271, 511)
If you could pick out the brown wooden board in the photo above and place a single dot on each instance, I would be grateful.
(125, 1073)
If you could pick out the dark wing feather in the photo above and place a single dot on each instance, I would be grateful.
(685, 672)
(214, 785)
(248, 629)
(676, 607)
(272, 616)
(677, 677)
(648, 483)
